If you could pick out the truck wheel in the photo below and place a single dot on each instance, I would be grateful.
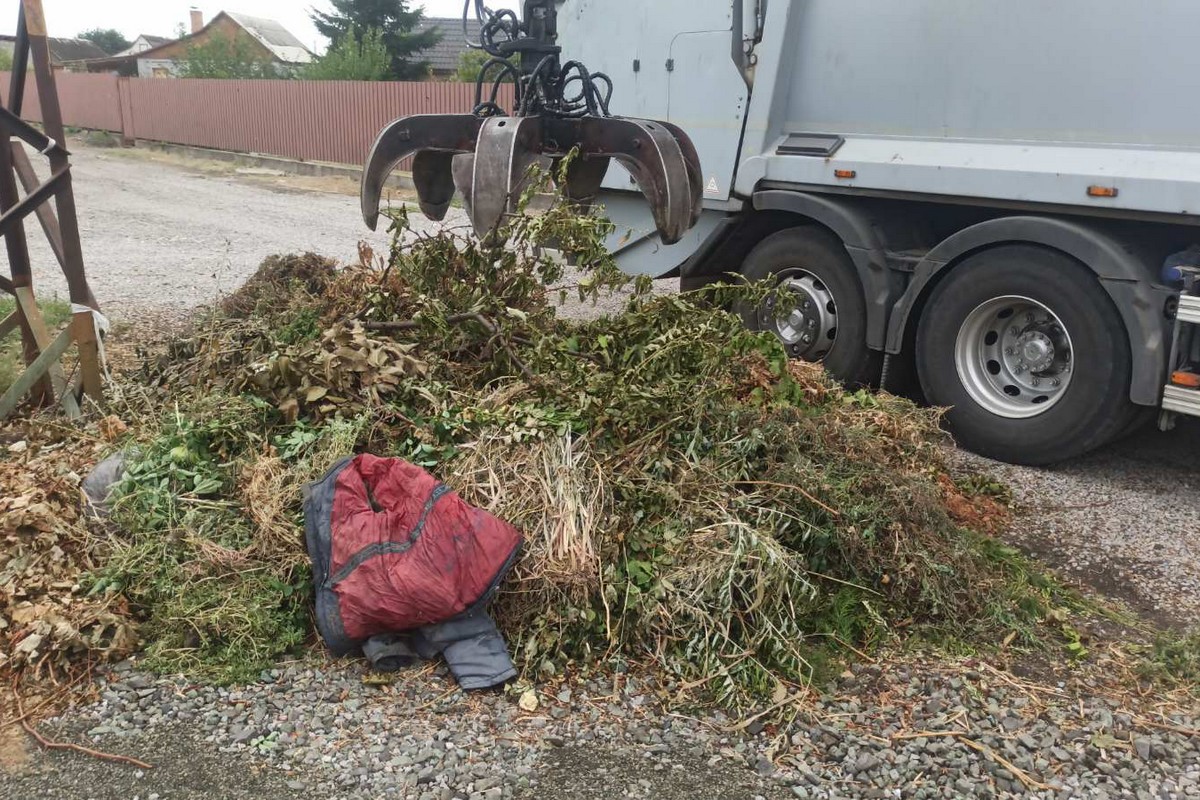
(1028, 353)
(829, 323)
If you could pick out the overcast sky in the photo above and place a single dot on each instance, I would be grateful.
(159, 17)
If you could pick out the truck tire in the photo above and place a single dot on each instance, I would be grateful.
(818, 268)
(1028, 353)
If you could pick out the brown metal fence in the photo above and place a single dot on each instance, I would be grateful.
(309, 120)
(88, 101)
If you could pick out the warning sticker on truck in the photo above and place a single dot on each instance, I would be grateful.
(712, 187)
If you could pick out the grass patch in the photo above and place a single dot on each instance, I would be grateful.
(689, 495)
(12, 363)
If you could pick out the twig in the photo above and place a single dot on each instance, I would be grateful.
(748, 721)
(455, 319)
(78, 748)
(1173, 728)
(924, 735)
(1020, 774)
(793, 487)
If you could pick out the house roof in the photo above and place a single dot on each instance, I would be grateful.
(278, 39)
(63, 50)
(444, 56)
(272, 35)
(144, 42)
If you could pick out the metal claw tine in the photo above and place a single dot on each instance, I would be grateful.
(508, 147)
(660, 158)
(407, 136)
(695, 177)
(434, 178)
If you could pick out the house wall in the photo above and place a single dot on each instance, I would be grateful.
(157, 68)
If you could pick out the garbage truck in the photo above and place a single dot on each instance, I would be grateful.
(994, 206)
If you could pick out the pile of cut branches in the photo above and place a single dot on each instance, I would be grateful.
(689, 495)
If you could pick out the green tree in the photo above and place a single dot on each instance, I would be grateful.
(109, 40)
(470, 61)
(5, 61)
(396, 23)
(354, 58)
(235, 57)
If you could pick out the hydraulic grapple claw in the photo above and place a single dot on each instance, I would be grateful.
(490, 159)
(560, 109)
(434, 139)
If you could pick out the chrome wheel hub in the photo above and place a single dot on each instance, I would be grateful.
(1014, 357)
(804, 317)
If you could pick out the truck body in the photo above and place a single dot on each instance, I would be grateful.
(971, 201)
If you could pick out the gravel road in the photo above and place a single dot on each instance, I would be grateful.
(160, 238)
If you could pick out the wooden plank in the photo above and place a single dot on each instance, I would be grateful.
(83, 329)
(40, 366)
(10, 324)
(41, 335)
(7, 285)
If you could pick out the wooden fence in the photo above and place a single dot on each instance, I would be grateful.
(332, 121)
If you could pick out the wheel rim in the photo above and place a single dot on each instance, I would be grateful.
(807, 327)
(1014, 357)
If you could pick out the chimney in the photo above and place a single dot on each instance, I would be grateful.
(197, 19)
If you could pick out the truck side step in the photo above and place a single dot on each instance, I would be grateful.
(1181, 395)
(1179, 400)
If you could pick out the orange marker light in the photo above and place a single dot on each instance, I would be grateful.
(1102, 191)
(1188, 380)
(845, 173)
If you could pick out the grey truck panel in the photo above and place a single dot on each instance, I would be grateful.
(635, 244)
(670, 60)
(1022, 101)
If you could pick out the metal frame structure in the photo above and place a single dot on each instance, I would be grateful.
(43, 379)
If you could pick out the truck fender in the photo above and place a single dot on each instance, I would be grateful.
(1128, 279)
(852, 225)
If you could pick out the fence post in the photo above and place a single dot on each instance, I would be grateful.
(125, 100)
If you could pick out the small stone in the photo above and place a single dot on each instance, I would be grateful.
(865, 763)
(1142, 746)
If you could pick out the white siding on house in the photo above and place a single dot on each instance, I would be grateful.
(154, 68)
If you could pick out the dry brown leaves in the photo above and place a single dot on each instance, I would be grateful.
(49, 625)
(977, 512)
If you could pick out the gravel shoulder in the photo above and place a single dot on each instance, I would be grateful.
(162, 236)
(904, 728)
(1123, 520)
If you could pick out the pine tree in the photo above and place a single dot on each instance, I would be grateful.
(396, 23)
(351, 60)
